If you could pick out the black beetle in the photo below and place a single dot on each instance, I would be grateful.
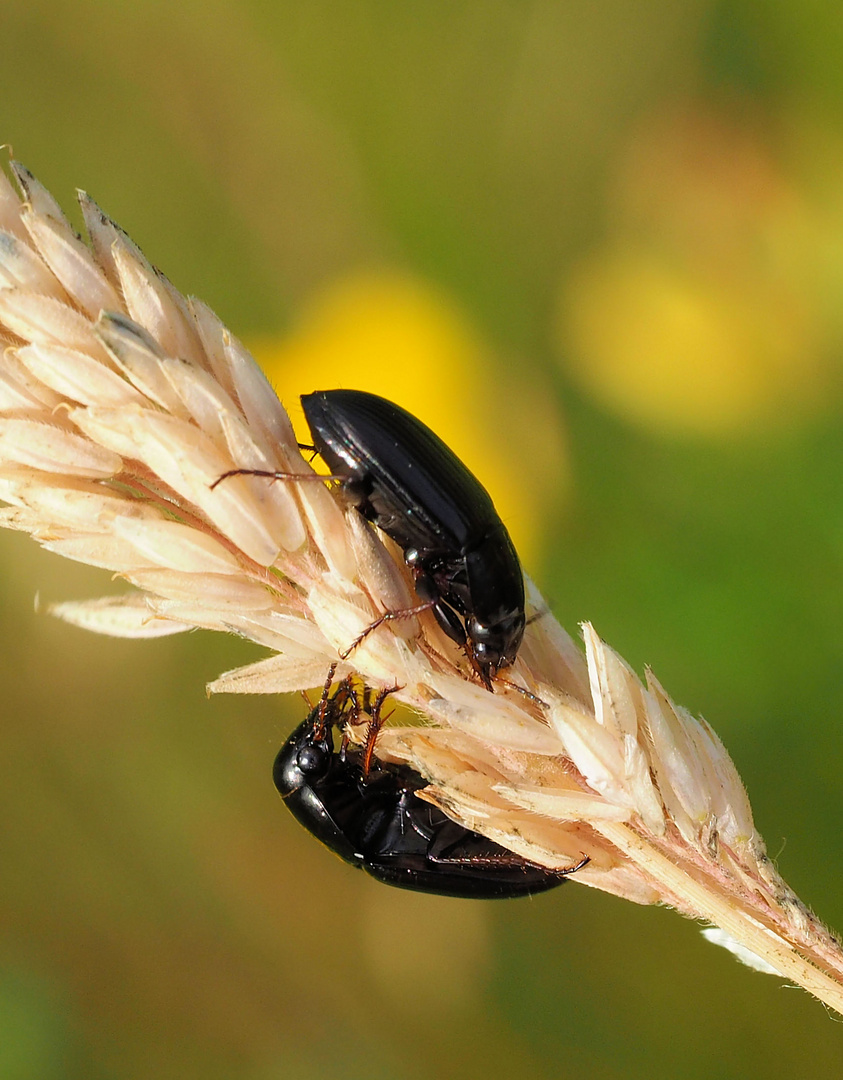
(374, 819)
(402, 477)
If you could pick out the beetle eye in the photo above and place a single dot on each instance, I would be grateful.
(312, 760)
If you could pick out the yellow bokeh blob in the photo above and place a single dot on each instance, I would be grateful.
(706, 310)
(402, 338)
(681, 352)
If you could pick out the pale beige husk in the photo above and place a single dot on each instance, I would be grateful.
(121, 402)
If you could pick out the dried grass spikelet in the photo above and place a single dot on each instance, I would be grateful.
(121, 402)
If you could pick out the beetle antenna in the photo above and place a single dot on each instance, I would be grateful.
(521, 690)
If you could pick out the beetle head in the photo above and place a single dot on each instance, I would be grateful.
(495, 645)
(305, 757)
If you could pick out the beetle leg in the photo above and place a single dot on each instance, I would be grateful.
(482, 671)
(389, 616)
(505, 862)
(272, 475)
(323, 701)
(375, 724)
(450, 622)
(350, 694)
(447, 618)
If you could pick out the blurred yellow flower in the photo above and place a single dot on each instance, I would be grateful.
(400, 337)
(703, 311)
(676, 352)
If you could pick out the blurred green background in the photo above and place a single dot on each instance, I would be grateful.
(600, 248)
